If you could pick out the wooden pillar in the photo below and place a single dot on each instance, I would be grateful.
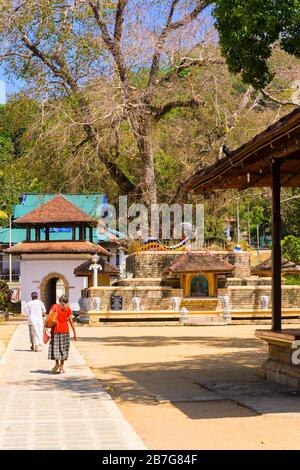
(80, 232)
(276, 247)
(28, 234)
(91, 234)
(47, 233)
(73, 232)
(37, 233)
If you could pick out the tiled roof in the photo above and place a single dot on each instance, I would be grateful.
(267, 266)
(83, 269)
(57, 247)
(202, 262)
(57, 210)
(88, 203)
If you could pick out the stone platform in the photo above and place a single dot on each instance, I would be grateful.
(283, 363)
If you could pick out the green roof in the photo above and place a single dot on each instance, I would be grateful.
(88, 203)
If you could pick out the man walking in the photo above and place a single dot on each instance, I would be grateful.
(35, 309)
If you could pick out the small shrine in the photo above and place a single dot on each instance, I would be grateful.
(105, 275)
(198, 273)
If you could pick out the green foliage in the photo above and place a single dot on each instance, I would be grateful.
(291, 248)
(248, 30)
(292, 279)
(16, 175)
(5, 296)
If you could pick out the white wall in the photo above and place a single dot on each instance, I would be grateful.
(33, 272)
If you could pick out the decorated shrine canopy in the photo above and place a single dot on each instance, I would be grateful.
(251, 164)
(272, 158)
(84, 269)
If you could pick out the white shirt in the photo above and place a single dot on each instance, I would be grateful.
(34, 310)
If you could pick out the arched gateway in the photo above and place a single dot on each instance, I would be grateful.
(52, 287)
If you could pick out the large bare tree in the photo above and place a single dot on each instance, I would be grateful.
(60, 47)
(112, 67)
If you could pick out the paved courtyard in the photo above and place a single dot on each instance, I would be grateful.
(163, 387)
(193, 387)
(39, 410)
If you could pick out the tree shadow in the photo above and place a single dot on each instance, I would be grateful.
(202, 382)
(159, 341)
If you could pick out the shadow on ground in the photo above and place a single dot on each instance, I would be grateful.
(161, 341)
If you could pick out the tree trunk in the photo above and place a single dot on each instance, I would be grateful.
(147, 185)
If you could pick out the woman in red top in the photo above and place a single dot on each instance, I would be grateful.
(60, 338)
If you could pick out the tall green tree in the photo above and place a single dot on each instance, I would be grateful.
(249, 30)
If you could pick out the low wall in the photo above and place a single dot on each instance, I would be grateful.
(152, 298)
(249, 297)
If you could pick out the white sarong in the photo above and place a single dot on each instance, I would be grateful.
(37, 333)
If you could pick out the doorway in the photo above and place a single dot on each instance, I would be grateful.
(52, 287)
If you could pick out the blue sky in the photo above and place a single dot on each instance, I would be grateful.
(7, 86)
(2, 92)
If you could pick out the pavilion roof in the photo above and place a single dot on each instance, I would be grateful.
(198, 262)
(250, 164)
(56, 211)
(267, 266)
(52, 247)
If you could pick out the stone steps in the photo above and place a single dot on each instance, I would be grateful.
(205, 320)
(199, 304)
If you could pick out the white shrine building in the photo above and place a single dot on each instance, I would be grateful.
(47, 266)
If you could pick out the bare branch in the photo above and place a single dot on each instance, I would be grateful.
(20, 6)
(243, 105)
(172, 9)
(81, 144)
(167, 29)
(191, 103)
(113, 44)
(45, 58)
(187, 63)
(123, 182)
(276, 100)
(190, 16)
(119, 20)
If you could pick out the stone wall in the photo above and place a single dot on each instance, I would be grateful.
(152, 298)
(239, 259)
(151, 263)
(249, 297)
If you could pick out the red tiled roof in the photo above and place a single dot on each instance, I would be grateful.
(57, 210)
(83, 269)
(194, 262)
(57, 247)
